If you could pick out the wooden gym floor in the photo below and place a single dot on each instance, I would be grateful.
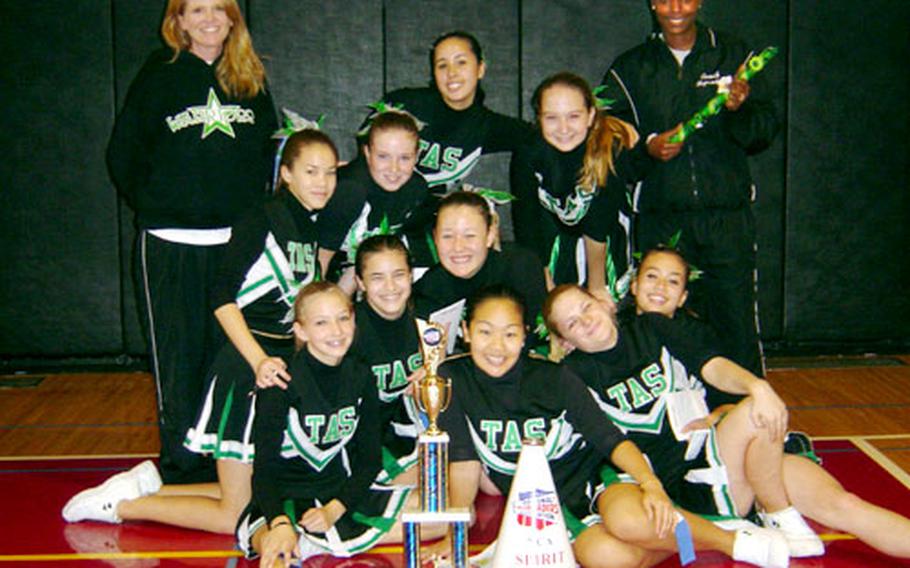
(61, 433)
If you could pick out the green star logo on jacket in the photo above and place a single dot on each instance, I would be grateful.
(213, 116)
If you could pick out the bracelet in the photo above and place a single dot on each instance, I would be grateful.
(278, 524)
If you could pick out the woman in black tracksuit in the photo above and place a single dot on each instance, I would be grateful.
(190, 152)
(700, 189)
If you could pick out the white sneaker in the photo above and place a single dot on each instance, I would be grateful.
(802, 540)
(148, 477)
(762, 547)
(100, 503)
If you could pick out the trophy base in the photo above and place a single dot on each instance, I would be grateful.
(460, 519)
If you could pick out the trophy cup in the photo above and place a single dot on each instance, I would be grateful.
(432, 395)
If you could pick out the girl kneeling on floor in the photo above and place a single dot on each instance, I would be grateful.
(317, 447)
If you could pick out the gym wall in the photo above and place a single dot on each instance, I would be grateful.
(832, 198)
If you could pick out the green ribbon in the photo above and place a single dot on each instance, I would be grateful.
(754, 64)
(600, 101)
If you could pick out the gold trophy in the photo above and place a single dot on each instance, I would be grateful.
(433, 392)
(433, 395)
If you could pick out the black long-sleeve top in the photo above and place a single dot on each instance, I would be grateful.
(271, 254)
(318, 439)
(452, 141)
(489, 416)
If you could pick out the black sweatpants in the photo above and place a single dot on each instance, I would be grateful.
(175, 281)
(721, 244)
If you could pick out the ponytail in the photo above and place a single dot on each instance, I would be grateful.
(608, 137)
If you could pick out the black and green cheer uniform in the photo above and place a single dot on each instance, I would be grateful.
(272, 254)
(452, 141)
(451, 144)
(360, 208)
(318, 441)
(704, 194)
(655, 355)
(188, 158)
(391, 349)
(562, 214)
(489, 416)
(515, 267)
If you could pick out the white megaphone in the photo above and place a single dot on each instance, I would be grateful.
(533, 532)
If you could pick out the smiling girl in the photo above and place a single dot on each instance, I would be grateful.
(500, 395)
(317, 450)
(387, 340)
(464, 234)
(573, 206)
(458, 127)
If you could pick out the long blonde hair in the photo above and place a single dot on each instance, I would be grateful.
(240, 72)
(607, 138)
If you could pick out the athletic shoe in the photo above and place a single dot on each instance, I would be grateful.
(100, 503)
(802, 540)
(762, 547)
(147, 476)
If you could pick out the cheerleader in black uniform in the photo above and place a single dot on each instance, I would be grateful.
(387, 340)
(457, 127)
(272, 253)
(317, 447)
(377, 193)
(639, 371)
(499, 396)
(660, 287)
(464, 235)
(573, 207)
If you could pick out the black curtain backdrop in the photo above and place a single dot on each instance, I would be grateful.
(832, 204)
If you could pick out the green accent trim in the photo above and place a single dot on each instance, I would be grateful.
(277, 271)
(401, 500)
(290, 511)
(457, 173)
(308, 456)
(554, 256)
(650, 427)
(573, 523)
(715, 456)
(254, 285)
(432, 246)
(222, 423)
(390, 464)
(610, 268)
(382, 523)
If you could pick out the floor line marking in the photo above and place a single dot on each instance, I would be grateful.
(122, 555)
(882, 460)
(848, 406)
(382, 549)
(79, 457)
(12, 427)
(856, 436)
